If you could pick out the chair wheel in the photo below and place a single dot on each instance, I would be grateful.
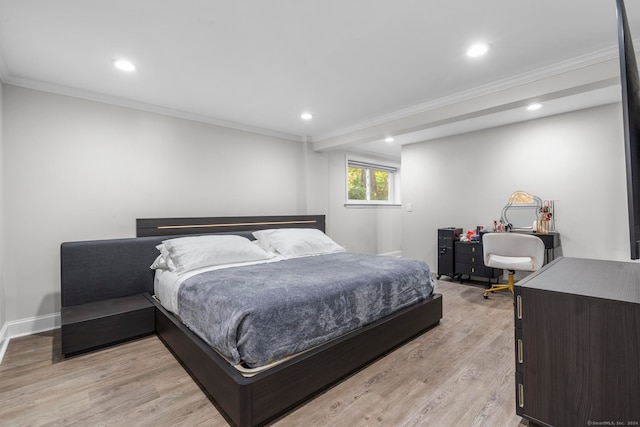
(485, 296)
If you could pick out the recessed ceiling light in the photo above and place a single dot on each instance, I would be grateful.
(389, 139)
(306, 116)
(124, 65)
(477, 49)
(534, 107)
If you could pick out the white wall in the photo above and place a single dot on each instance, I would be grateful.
(3, 301)
(576, 159)
(372, 230)
(315, 191)
(78, 170)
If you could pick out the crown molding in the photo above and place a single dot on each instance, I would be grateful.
(136, 105)
(508, 83)
(572, 64)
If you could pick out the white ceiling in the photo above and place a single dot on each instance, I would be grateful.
(354, 64)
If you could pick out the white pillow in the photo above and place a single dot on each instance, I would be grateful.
(159, 264)
(296, 242)
(163, 261)
(189, 253)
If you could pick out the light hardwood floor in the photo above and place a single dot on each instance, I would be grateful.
(460, 373)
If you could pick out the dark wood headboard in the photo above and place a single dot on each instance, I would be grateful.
(103, 269)
(174, 226)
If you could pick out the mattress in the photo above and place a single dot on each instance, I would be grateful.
(256, 314)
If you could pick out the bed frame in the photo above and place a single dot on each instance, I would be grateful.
(88, 275)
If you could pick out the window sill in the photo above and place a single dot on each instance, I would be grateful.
(372, 205)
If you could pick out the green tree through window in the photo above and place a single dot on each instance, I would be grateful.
(368, 182)
(357, 183)
(379, 184)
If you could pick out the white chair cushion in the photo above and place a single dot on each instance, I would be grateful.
(522, 263)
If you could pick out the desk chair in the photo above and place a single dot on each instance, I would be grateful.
(511, 251)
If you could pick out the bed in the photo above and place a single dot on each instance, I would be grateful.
(256, 397)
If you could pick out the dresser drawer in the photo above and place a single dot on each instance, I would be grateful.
(472, 258)
(470, 249)
(475, 270)
(469, 261)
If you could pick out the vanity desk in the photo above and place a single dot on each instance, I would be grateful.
(460, 259)
(467, 259)
(551, 241)
(524, 213)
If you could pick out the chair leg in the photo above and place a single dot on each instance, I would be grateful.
(497, 287)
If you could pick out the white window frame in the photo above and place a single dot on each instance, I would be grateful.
(394, 178)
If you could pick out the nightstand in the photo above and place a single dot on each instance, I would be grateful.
(98, 324)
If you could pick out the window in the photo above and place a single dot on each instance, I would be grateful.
(371, 182)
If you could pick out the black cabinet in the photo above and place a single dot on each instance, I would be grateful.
(577, 332)
(470, 262)
(446, 250)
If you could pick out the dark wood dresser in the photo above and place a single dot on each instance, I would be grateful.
(577, 344)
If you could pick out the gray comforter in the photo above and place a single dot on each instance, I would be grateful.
(262, 313)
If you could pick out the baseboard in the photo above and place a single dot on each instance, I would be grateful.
(29, 326)
(4, 341)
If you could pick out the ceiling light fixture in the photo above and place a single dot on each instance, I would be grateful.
(389, 139)
(534, 107)
(124, 65)
(477, 50)
(306, 116)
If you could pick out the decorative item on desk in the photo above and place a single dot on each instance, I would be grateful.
(474, 235)
(499, 226)
(546, 220)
